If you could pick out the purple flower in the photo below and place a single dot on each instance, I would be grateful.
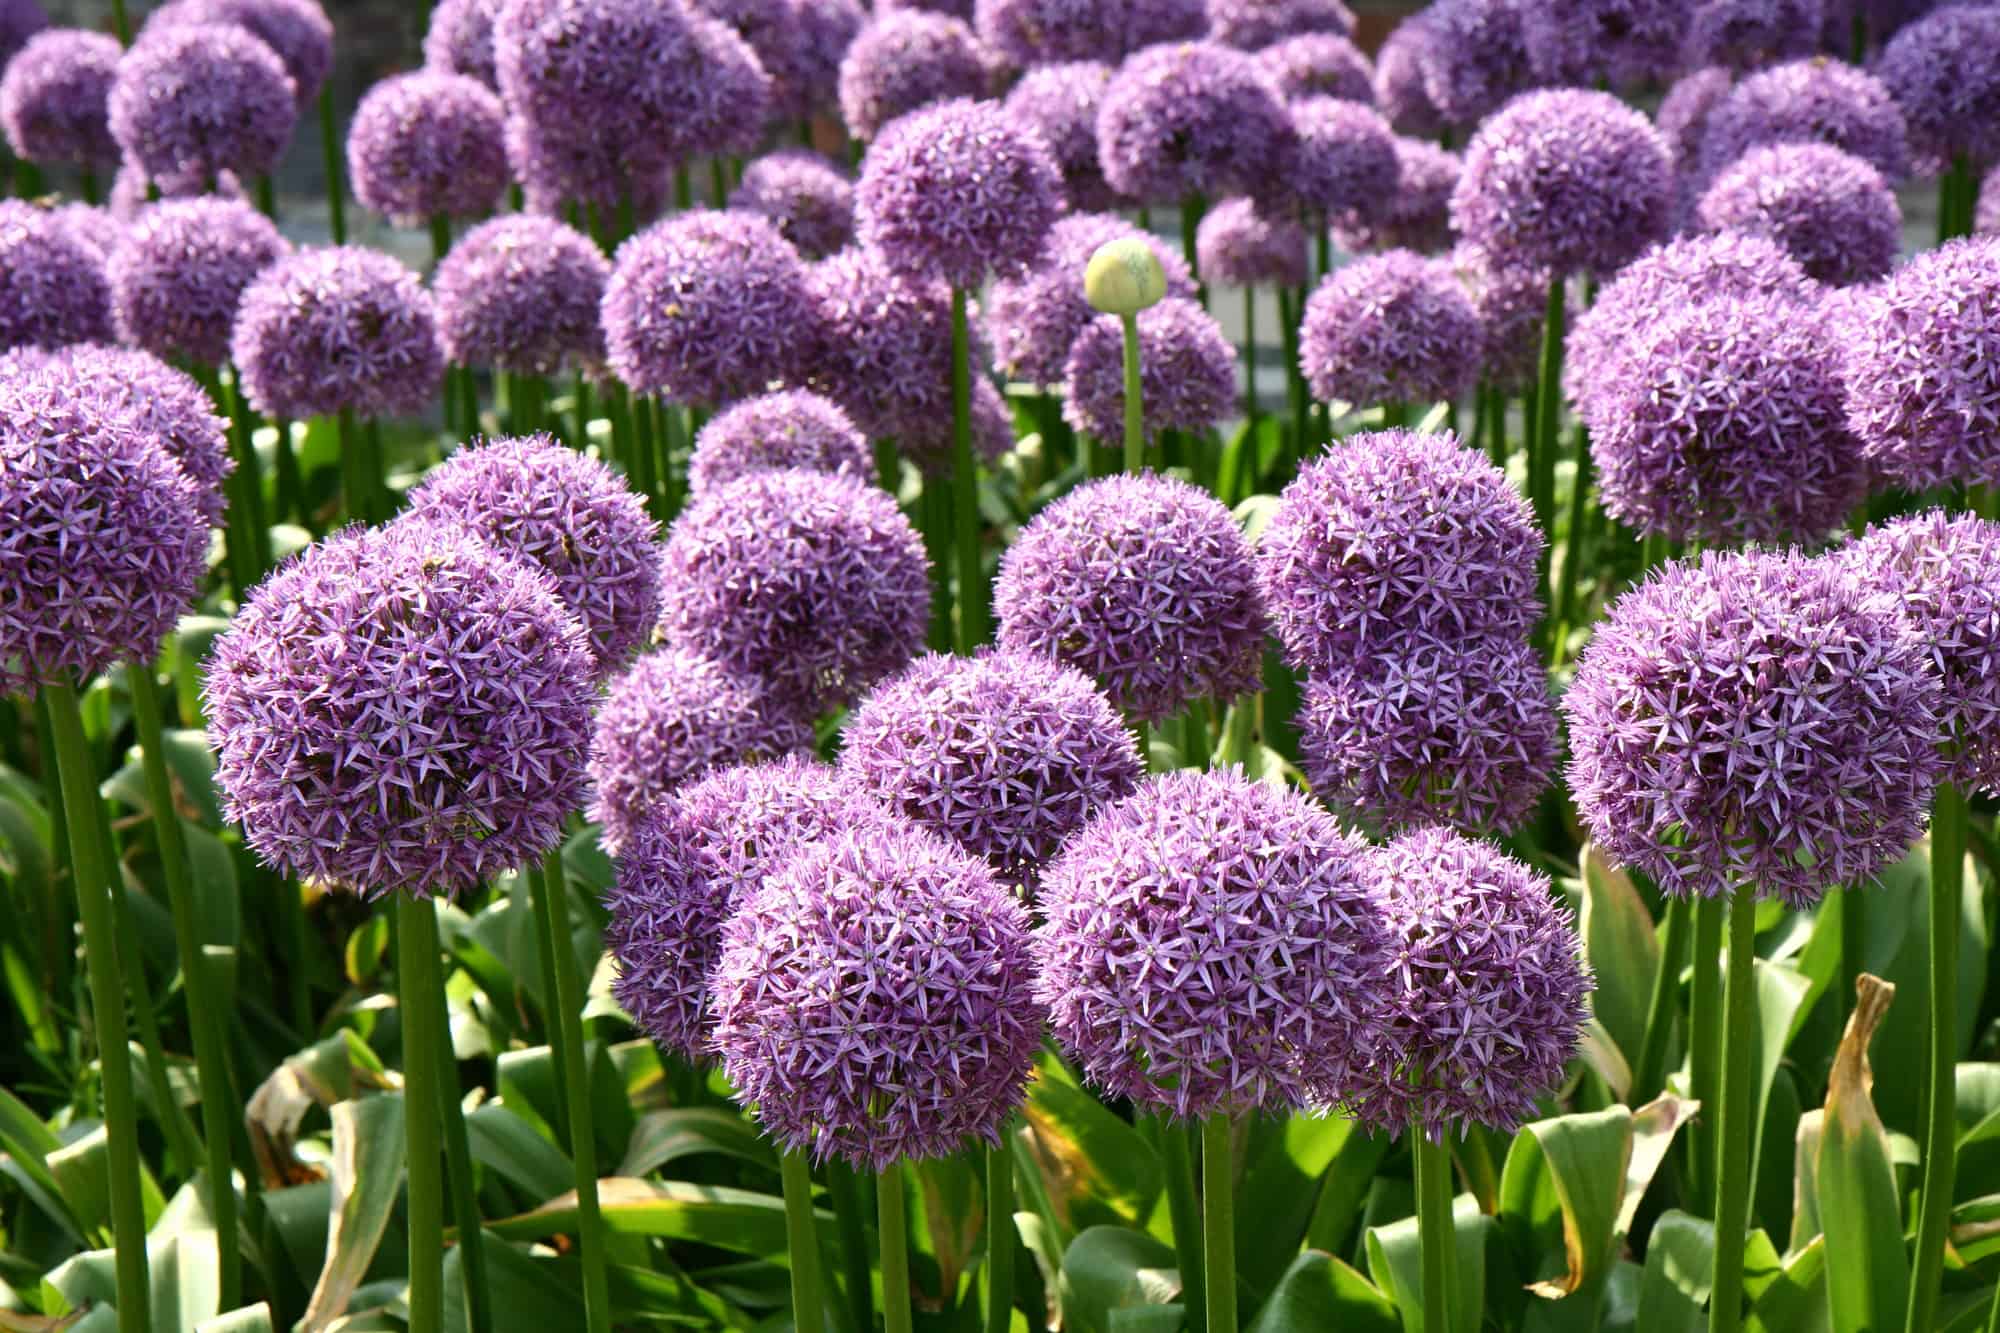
(1831, 210)
(1748, 34)
(1808, 101)
(1986, 219)
(97, 229)
(521, 294)
(807, 197)
(19, 20)
(558, 171)
(1620, 41)
(1392, 534)
(1344, 165)
(1237, 245)
(179, 271)
(1489, 992)
(337, 327)
(1400, 75)
(795, 428)
(771, 29)
(1166, 921)
(52, 289)
(189, 103)
(297, 30)
(1318, 64)
(428, 145)
(1392, 328)
(908, 59)
(132, 191)
(817, 584)
(1187, 372)
(1027, 33)
(1193, 118)
(101, 534)
(1565, 180)
(1418, 213)
(1254, 24)
(1476, 58)
(669, 719)
(1512, 305)
(706, 307)
(52, 100)
(566, 514)
(1060, 103)
(826, 29)
(460, 39)
(1035, 317)
(400, 709)
(1943, 70)
(1685, 111)
(1144, 583)
(958, 9)
(1752, 720)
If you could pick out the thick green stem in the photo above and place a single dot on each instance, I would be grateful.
(329, 148)
(892, 1230)
(459, 1177)
(644, 458)
(1249, 352)
(168, 1113)
(1135, 407)
(1705, 1046)
(935, 511)
(121, 27)
(1579, 522)
(243, 445)
(359, 482)
(965, 486)
(1184, 1209)
(1948, 822)
(844, 1190)
(1957, 200)
(1497, 447)
(1000, 1235)
(1739, 1105)
(802, 1240)
(1218, 1222)
(421, 982)
(1437, 1237)
(1191, 210)
(1544, 440)
(582, 1135)
(1651, 1074)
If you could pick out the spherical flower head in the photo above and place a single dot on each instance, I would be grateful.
(401, 709)
(1144, 583)
(1436, 732)
(1512, 305)
(1831, 210)
(1318, 64)
(1400, 67)
(1941, 573)
(558, 170)
(931, 1053)
(1392, 328)
(1193, 118)
(1477, 58)
(1241, 245)
(1565, 180)
(958, 191)
(794, 428)
(826, 29)
(770, 29)
(1922, 366)
(1943, 70)
(428, 145)
(1344, 166)
(1252, 25)
(1750, 34)
(1124, 276)
(1187, 372)
(539, 501)
(1751, 720)
(817, 584)
(52, 100)
(96, 228)
(1391, 534)
(179, 271)
(521, 294)
(1808, 101)
(19, 20)
(163, 404)
(337, 327)
(101, 535)
(1418, 213)
(1685, 111)
(807, 197)
(908, 59)
(1489, 990)
(705, 307)
(52, 289)
(189, 103)
(1060, 103)
(132, 190)
(1986, 215)
(1164, 921)
(1027, 33)
(1035, 317)
(668, 719)
(459, 39)
(1620, 41)
(297, 30)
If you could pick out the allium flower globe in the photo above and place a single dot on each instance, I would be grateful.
(1027, 33)
(794, 428)
(1832, 211)
(97, 229)
(1476, 58)
(1060, 103)
(1620, 41)
(297, 30)
(428, 145)
(162, 404)
(1255, 24)
(1400, 66)
(52, 289)
(1392, 328)
(190, 103)
(1193, 118)
(181, 269)
(907, 59)
(1749, 34)
(521, 294)
(1685, 111)
(808, 198)
(333, 328)
(1808, 101)
(459, 39)
(1417, 215)
(1035, 317)
(827, 28)
(1344, 166)
(1512, 305)
(1943, 70)
(1240, 245)
(1187, 372)
(771, 30)
(1318, 64)
(53, 98)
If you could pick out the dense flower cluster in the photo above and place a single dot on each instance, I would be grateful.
(1187, 372)
(299, 31)
(180, 269)
(1035, 317)
(190, 103)
(1622, 42)
(1240, 245)
(1832, 211)
(1418, 213)
(1193, 118)
(52, 100)
(1392, 328)
(1254, 24)
(428, 145)
(794, 428)
(1749, 34)
(1943, 70)
(1399, 76)
(1809, 101)
(1344, 168)
(52, 288)
(1060, 103)
(460, 39)
(826, 29)
(1318, 64)
(521, 294)
(808, 198)
(1476, 58)
(1684, 112)
(906, 59)
(1512, 305)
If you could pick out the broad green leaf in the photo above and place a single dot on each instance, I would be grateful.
(651, 1295)
(1319, 1292)
(1975, 1229)
(218, 914)
(1281, 1183)
(1805, 1185)
(524, 1297)
(1343, 1191)
(29, 1143)
(947, 1212)
(1793, 1299)
(1096, 1168)
(83, 1182)
(1680, 1268)
(186, 1288)
(366, 1176)
(1147, 1319)
(1782, 992)
(1396, 1266)
(1108, 1268)
(504, 1143)
(740, 1221)
(1867, 1267)
(322, 1074)
(1623, 952)
(250, 1319)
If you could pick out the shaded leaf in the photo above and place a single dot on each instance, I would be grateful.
(1623, 952)
(1109, 1268)
(365, 1177)
(1867, 1266)
(1318, 1292)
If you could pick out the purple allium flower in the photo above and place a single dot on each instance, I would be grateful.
(793, 428)
(1318, 64)
(1620, 41)
(428, 145)
(189, 103)
(1489, 994)
(334, 327)
(1344, 166)
(1512, 305)
(1476, 59)
(958, 191)
(1418, 215)
(566, 514)
(1060, 102)
(1252, 25)
(931, 1052)
(558, 171)
(1144, 583)
(670, 718)
(770, 28)
(826, 29)
(1400, 67)
(1240, 246)
(297, 30)
(905, 60)
(19, 20)
(1986, 218)
(958, 9)
(1749, 34)
(52, 289)
(1187, 372)
(1392, 534)
(52, 100)
(1941, 573)
(1831, 210)
(1006, 754)
(1193, 118)
(521, 294)
(460, 39)
(101, 535)
(807, 197)
(1166, 920)
(1685, 110)
(817, 584)
(1392, 328)
(1808, 101)
(97, 229)
(1565, 180)
(1436, 732)
(1879, 19)
(706, 307)
(1753, 720)
(1027, 33)
(132, 191)
(400, 709)
(1923, 367)
(1035, 317)
(1944, 72)
(179, 271)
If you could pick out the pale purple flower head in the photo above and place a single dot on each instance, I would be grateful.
(19, 20)
(52, 100)
(1565, 180)
(52, 288)
(1512, 305)
(1685, 111)
(1489, 992)
(1476, 59)
(791, 428)
(1749, 34)
(827, 28)
(1392, 328)
(1880, 20)
(297, 30)
(427, 145)
(1832, 211)
(1986, 216)
(333, 327)
(818, 584)
(1622, 42)
(180, 269)
(1944, 72)
(1344, 166)
(667, 720)
(1027, 33)
(1390, 535)
(521, 294)
(190, 103)
(1752, 720)
(807, 197)
(1035, 318)
(101, 535)
(1194, 118)
(1060, 103)
(1400, 67)
(771, 29)
(959, 191)
(557, 172)
(540, 501)
(908, 59)
(1144, 583)
(1165, 922)
(94, 227)
(1808, 101)
(706, 307)
(1187, 372)
(132, 190)
(1239, 245)
(1318, 64)
(460, 39)
(1418, 215)
(1254, 24)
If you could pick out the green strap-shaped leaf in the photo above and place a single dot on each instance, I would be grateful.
(250, 1319)
(1110, 1268)
(1560, 1194)
(1867, 1266)
(1318, 1292)
(740, 1221)
(1680, 1269)
(367, 1173)
(661, 1137)
(1623, 952)
(1395, 1265)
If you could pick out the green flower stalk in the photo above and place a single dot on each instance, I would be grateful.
(1124, 277)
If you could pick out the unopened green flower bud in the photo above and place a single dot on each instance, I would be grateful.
(1124, 277)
